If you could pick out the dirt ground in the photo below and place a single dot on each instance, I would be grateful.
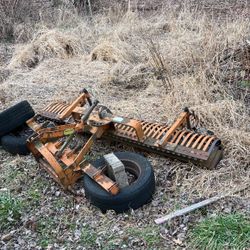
(123, 76)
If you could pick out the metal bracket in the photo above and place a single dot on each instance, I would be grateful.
(104, 181)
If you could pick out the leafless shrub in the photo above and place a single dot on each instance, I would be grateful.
(89, 7)
(14, 12)
(18, 18)
(158, 63)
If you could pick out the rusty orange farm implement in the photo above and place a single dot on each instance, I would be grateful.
(57, 143)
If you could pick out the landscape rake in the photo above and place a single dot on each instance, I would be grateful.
(58, 145)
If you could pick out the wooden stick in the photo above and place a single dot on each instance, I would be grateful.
(195, 206)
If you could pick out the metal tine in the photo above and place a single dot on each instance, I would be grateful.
(152, 131)
(118, 125)
(203, 142)
(130, 131)
(186, 138)
(148, 129)
(157, 132)
(197, 141)
(54, 108)
(123, 126)
(128, 128)
(49, 107)
(165, 129)
(180, 136)
(59, 107)
(175, 136)
(191, 140)
(124, 133)
(63, 109)
(146, 125)
(208, 143)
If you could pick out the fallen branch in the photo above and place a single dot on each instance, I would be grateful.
(195, 206)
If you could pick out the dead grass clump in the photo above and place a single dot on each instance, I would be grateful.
(108, 51)
(47, 44)
(128, 76)
(203, 183)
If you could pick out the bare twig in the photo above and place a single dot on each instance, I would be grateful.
(158, 62)
(90, 8)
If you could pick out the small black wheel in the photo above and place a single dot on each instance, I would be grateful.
(15, 116)
(138, 193)
(15, 144)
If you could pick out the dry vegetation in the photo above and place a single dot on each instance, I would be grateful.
(46, 44)
(146, 66)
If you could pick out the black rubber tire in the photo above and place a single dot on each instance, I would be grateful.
(133, 196)
(15, 144)
(15, 116)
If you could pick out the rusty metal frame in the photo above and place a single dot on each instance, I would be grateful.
(50, 145)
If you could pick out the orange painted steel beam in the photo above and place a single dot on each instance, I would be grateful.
(101, 179)
(182, 119)
(81, 99)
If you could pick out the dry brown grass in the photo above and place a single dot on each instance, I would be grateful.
(107, 52)
(46, 44)
(122, 76)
